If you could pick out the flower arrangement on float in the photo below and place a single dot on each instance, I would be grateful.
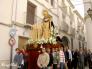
(50, 40)
(30, 41)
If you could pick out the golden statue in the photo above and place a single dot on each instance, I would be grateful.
(36, 32)
(46, 26)
(42, 30)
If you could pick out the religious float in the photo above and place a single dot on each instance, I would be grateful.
(42, 35)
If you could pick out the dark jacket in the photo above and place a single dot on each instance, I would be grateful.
(66, 55)
(51, 60)
(18, 58)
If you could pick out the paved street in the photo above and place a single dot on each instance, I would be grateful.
(86, 68)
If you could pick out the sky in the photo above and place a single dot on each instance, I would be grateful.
(79, 6)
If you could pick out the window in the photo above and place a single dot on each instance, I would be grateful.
(79, 44)
(52, 2)
(30, 13)
(63, 16)
(63, 2)
(47, 0)
(71, 23)
(70, 11)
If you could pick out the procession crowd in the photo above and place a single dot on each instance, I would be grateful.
(56, 58)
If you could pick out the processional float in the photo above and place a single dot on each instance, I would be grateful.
(43, 34)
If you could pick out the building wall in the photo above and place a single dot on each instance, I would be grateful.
(89, 35)
(88, 22)
(5, 11)
(4, 48)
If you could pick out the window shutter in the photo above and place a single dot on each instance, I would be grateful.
(30, 13)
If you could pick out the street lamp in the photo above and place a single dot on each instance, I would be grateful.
(89, 11)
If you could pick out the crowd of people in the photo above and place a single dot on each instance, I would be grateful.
(56, 58)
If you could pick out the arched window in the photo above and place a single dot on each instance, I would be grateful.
(65, 40)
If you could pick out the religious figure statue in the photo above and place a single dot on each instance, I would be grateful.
(36, 32)
(46, 26)
(43, 29)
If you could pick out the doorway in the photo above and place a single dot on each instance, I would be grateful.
(65, 41)
(22, 42)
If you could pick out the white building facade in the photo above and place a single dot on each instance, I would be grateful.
(88, 22)
(16, 14)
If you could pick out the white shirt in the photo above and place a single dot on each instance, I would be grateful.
(70, 54)
(43, 60)
(62, 56)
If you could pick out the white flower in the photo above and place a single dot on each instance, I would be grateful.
(30, 41)
(54, 41)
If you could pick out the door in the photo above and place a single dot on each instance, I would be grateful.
(22, 42)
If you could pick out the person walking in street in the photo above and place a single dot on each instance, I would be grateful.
(62, 58)
(85, 57)
(55, 58)
(75, 59)
(43, 59)
(70, 58)
(81, 59)
(66, 57)
(90, 59)
(18, 59)
(50, 65)
(25, 57)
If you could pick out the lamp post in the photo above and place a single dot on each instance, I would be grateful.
(12, 42)
(89, 11)
(12, 32)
